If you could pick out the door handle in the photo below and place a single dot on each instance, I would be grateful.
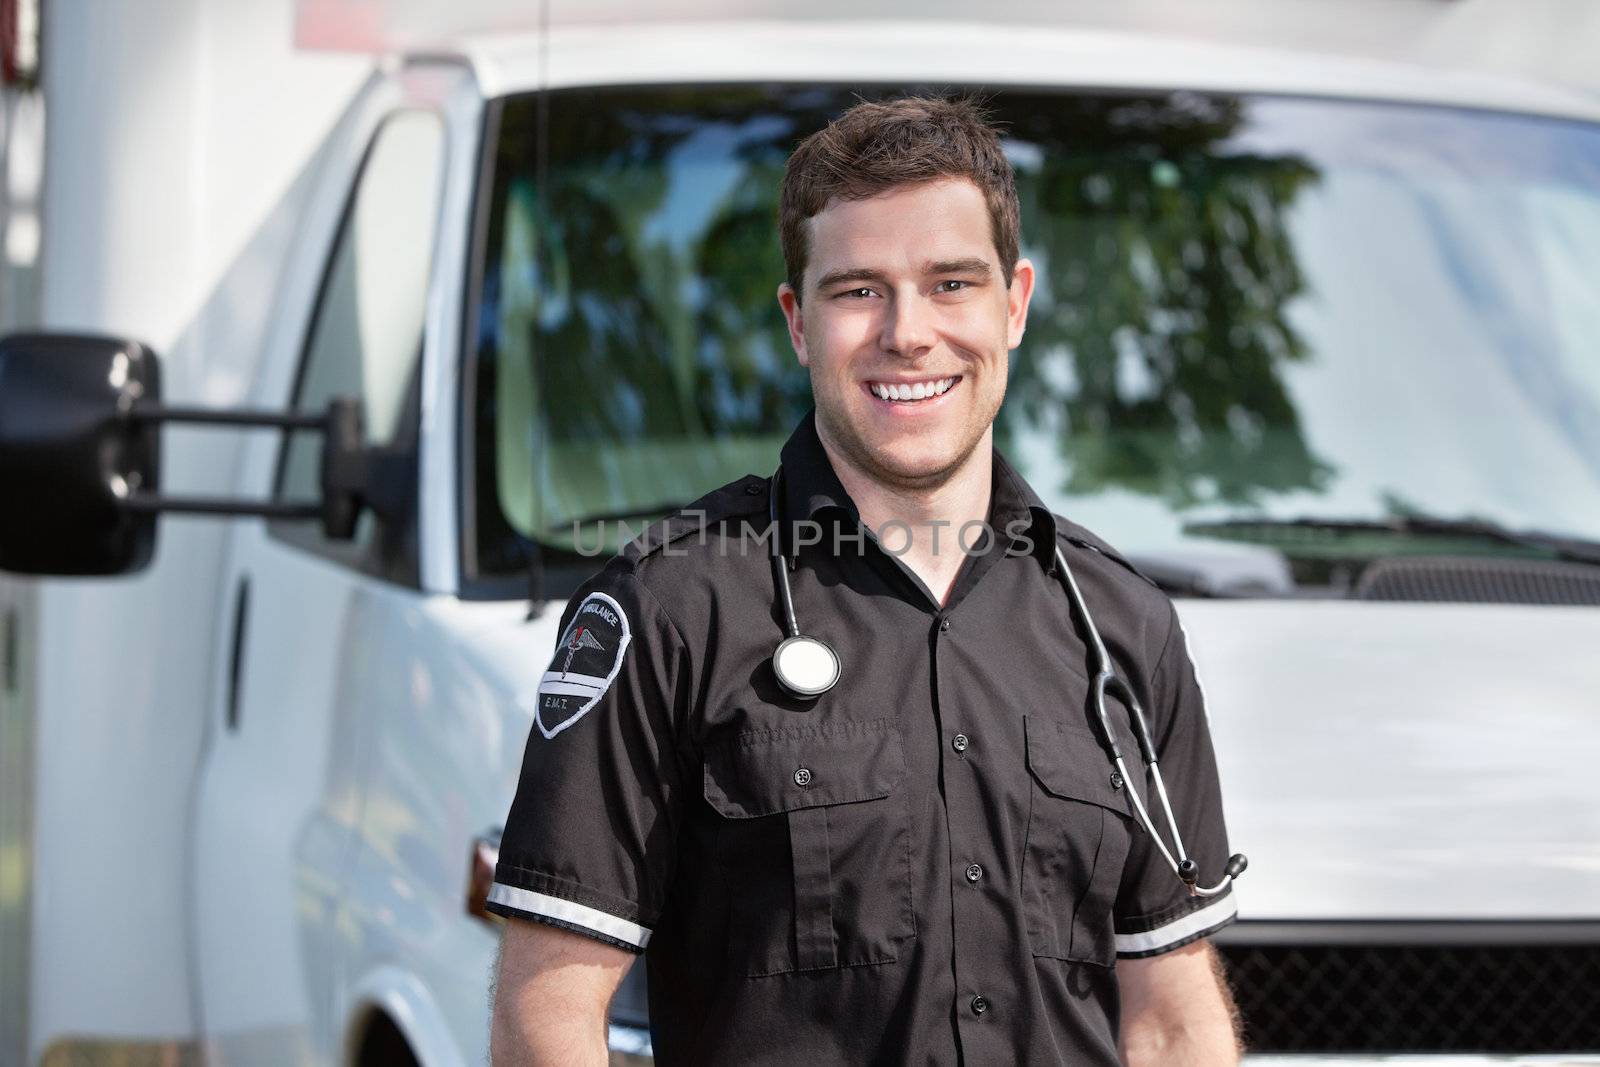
(241, 610)
(10, 653)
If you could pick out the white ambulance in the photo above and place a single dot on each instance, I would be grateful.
(1315, 342)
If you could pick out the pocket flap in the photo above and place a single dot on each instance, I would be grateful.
(1070, 762)
(763, 772)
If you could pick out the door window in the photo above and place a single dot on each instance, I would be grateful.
(367, 334)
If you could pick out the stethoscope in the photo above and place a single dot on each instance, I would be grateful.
(807, 667)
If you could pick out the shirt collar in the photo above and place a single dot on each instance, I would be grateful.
(810, 485)
(1011, 497)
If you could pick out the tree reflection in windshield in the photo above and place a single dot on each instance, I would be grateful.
(1156, 341)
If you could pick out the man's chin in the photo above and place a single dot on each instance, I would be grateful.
(915, 467)
(921, 459)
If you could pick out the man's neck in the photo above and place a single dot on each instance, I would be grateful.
(935, 515)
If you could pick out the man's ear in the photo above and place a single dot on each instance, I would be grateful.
(789, 301)
(1017, 299)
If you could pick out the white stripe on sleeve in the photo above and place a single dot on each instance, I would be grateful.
(567, 911)
(1218, 911)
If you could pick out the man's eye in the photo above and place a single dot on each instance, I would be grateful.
(857, 292)
(950, 285)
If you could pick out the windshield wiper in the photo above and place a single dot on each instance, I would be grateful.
(1573, 549)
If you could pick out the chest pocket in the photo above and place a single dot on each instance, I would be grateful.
(815, 843)
(1079, 829)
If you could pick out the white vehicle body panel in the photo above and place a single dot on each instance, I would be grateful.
(1405, 761)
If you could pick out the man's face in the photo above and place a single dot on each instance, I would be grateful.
(904, 297)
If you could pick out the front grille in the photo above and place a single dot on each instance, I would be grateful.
(1476, 580)
(1417, 997)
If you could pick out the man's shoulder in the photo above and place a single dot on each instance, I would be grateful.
(722, 515)
(1128, 601)
(681, 564)
(1071, 535)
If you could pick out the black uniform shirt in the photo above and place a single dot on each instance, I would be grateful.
(931, 863)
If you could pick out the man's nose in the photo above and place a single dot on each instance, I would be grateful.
(907, 326)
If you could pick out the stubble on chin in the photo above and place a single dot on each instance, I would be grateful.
(870, 462)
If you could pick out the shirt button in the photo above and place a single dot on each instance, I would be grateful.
(944, 626)
(959, 742)
(802, 776)
(979, 1005)
(1116, 780)
(974, 872)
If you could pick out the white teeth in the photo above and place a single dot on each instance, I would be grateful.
(913, 391)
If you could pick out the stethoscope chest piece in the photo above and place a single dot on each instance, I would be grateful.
(805, 666)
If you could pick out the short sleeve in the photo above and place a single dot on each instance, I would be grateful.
(589, 839)
(1154, 911)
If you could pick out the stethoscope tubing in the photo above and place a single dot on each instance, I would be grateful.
(1106, 678)
(780, 578)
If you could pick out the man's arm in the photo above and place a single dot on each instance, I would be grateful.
(551, 997)
(588, 849)
(1177, 1011)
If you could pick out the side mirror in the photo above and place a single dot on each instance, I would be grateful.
(80, 421)
(69, 455)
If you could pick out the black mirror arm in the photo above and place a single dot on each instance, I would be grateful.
(145, 412)
(132, 499)
(353, 475)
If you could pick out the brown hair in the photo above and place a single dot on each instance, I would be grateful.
(874, 147)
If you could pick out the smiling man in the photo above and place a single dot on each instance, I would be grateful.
(915, 847)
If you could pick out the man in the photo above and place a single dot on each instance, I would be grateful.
(933, 861)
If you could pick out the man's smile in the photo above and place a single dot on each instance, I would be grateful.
(912, 390)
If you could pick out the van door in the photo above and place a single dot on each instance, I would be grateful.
(306, 621)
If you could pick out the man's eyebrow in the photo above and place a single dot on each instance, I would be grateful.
(969, 266)
(850, 274)
(958, 266)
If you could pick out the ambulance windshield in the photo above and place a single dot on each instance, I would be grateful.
(1247, 308)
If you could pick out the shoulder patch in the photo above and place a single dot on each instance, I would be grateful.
(587, 660)
(747, 496)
